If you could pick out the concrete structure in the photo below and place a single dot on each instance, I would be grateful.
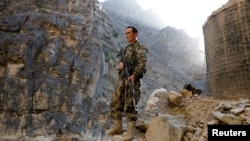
(227, 47)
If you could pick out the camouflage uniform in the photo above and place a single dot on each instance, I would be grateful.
(121, 100)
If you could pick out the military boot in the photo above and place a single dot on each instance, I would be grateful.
(116, 129)
(130, 132)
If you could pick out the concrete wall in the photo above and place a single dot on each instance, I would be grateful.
(227, 47)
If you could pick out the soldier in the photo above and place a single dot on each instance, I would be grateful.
(122, 100)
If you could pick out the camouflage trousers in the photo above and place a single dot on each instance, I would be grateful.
(122, 101)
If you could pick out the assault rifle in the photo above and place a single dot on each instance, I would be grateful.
(125, 73)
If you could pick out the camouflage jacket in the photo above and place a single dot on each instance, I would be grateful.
(136, 56)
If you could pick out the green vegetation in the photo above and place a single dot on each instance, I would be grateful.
(44, 10)
(115, 34)
(109, 57)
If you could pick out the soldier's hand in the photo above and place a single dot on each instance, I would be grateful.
(132, 79)
(121, 66)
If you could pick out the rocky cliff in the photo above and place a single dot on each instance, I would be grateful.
(52, 64)
(57, 62)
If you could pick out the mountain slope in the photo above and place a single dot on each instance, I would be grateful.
(174, 57)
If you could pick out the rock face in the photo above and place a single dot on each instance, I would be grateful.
(227, 39)
(51, 66)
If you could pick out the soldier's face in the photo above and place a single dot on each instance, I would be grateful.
(130, 35)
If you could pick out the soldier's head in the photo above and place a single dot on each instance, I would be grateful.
(131, 34)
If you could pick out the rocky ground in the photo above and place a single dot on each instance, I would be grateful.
(198, 112)
(174, 110)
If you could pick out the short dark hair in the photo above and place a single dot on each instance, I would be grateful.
(134, 30)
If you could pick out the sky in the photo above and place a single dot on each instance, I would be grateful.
(189, 15)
